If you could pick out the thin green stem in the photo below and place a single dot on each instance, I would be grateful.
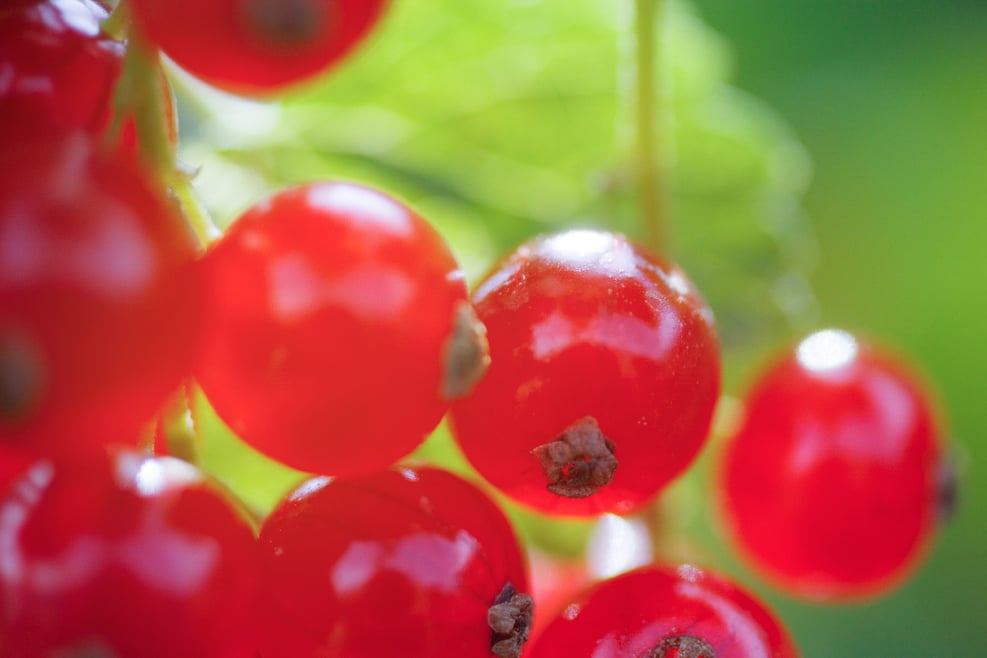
(115, 25)
(647, 108)
(141, 94)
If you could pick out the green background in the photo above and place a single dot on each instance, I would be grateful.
(890, 98)
(826, 166)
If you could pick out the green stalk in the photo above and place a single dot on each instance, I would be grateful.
(140, 93)
(648, 171)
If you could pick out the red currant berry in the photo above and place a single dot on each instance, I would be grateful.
(58, 70)
(604, 373)
(129, 556)
(656, 612)
(257, 45)
(12, 464)
(98, 296)
(832, 483)
(338, 326)
(411, 562)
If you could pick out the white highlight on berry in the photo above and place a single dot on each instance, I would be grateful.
(617, 545)
(827, 350)
(585, 248)
(368, 205)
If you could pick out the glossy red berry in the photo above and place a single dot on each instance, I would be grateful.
(657, 612)
(257, 45)
(338, 326)
(832, 484)
(58, 70)
(98, 296)
(603, 378)
(131, 557)
(412, 562)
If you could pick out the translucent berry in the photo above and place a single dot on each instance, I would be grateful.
(58, 71)
(834, 482)
(338, 327)
(257, 45)
(604, 373)
(129, 556)
(98, 295)
(411, 562)
(658, 612)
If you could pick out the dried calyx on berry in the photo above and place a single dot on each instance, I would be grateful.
(509, 619)
(682, 646)
(579, 461)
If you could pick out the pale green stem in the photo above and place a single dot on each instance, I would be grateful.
(648, 164)
(140, 93)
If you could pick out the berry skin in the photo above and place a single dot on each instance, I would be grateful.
(833, 483)
(257, 46)
(412, 562)
(98, 296)
(129, 556)
(657, 612)
(603, 378)
(59, 71)
(338, 326)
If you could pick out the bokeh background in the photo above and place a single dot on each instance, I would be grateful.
(890, 99)
(826, 164)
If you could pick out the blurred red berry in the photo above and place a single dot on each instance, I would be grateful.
(255, 46)
(411, 562)
(130, 556)
(656, 612)
(99, 309)
(834, 482)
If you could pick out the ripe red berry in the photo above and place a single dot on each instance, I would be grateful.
(256, 45)
(129, 556)
(656, 612)
(338, 326)
(832, 484)
(604, 373)
(411, 562)
(98, 295)
(58, 70)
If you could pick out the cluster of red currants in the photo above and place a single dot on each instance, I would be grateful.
(330, 327)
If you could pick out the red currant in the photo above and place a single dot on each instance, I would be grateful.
(338, 326)
(257, 45)
(656, 612)
(12, 464)
(98, 295)
(411, 562)
(601, 356)
(832, 483)
(131, 556)
(58, 70)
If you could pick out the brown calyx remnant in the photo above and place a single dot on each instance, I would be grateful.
(947, 489)
(284, 22)
(20, 377)
(509, 619)
(681, 646)
(579, 461)
(466, 354)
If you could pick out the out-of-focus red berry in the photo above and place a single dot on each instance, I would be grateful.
(130, 556)
(834, 481)
(257, 46)
(411, 562)
(99, 296)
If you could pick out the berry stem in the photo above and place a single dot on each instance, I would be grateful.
(647, 157)
(141, 93)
